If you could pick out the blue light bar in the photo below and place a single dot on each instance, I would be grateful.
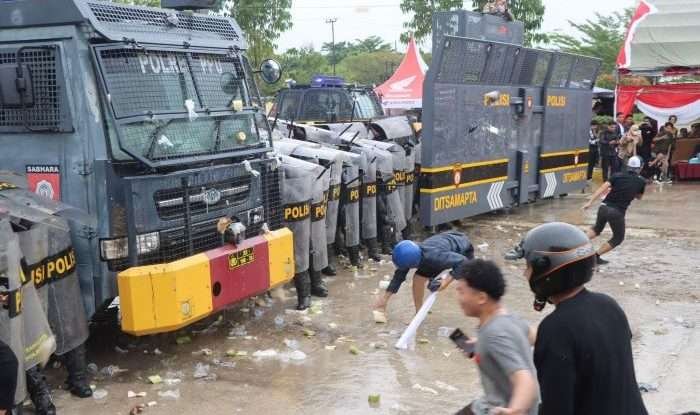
(319, 81)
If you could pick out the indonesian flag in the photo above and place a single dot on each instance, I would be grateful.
(624, 58)
(661, 101)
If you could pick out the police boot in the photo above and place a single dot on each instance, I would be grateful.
(387, 240)
(318, 287)
(407, 232)
(354, 255)
(39, 392)
(373, 249)
(329, 270)
(77, 372)
(302, 282)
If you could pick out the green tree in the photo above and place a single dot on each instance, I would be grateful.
(338, 52)
(262, 22)
(369, 68)
(530, 12)
(421, 23)
(601, 37)
(370, 45)
(302, 63)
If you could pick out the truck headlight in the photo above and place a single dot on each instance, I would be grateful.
(118, 248)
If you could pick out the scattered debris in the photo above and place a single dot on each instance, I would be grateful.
(309, 333)
(423, 340)
(183, 340)
(98, 394)
(157, 352)
(120, 350)
(295, 355)
(636, 286)
(152, 403)
(203, 352)
(379, 316)
(137, 409)
(292, 344)
(425, 389)
(330, 347)
(297, 312)
(647, 387)
(92, 369)
(660, 332)
(383, 284)
(170, 394)
(378, 345)
(279, 321)
(225, 364)
(354, 350)
(444, 331)
(112, 370)
(269, 353)
(132, 394)
(332, 326)
(483, 247)
(445, 386)
(155, 379)
(238, 331)
(315, 309)
(201, 371)
(622, 283)
(374, 400)
(258, 313)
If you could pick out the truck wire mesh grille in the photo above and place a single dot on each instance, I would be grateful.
(199, 233)
(133, 19)
(45, 114)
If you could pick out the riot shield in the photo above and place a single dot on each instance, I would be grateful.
(350, 199)
(368, 194)
(296, 199)
(391, 156)
(320, 179)
(11, 319)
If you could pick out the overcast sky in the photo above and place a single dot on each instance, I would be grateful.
(363, 18)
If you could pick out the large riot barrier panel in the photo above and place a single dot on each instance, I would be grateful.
(503, 125)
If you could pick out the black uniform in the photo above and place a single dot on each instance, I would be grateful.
(440, 252)
(592, 152)
(583, 356)
(8, 377)
(624, 188)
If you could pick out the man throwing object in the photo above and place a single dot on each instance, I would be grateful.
(621, 189)
(431, 257)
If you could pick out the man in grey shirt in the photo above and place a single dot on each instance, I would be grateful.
(503, 350)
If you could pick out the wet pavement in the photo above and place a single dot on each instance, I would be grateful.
(347, 357)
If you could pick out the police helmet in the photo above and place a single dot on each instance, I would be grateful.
(406, 255)
(561, 257)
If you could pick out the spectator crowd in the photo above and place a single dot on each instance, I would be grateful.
(613, 143)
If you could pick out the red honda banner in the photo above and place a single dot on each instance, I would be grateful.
(45, 180)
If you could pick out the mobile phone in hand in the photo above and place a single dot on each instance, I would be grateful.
(461, 340)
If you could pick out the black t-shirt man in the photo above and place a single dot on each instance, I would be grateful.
(624, 187)
(583, 356)
(8, 377)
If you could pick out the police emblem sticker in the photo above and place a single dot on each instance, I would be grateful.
(240, 258)
(45, 180)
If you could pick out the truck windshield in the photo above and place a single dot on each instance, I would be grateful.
(174, 103)
(366, 106)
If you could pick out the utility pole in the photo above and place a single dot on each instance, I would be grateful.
(332, 22)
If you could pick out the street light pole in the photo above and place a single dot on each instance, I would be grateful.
(332, 22)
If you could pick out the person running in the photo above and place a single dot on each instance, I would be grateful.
(583, 352)
(444, 251)
(502, 350)
(620, 190)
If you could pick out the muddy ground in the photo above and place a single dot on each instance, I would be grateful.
(654, 275)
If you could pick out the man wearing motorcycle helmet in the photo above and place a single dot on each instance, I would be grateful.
(583, 351)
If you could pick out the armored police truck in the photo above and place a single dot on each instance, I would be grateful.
(503, 124)
(149, 119)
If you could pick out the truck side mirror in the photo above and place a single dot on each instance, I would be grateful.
(16, 89)
(270, 71)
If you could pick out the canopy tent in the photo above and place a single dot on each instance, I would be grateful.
(662, 40)
(663, 34)
(404, 90)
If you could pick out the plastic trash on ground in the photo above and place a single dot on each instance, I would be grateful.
(201, 371)
(170, 394)
(425, 389)
(98, 394)
(262, 354)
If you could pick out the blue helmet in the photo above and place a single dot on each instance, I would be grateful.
(406, 255)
